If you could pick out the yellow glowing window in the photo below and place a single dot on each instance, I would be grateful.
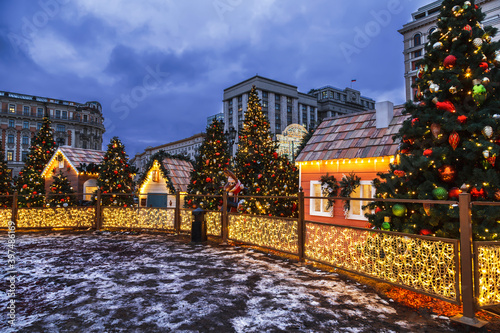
(364, 190)
(318, 206)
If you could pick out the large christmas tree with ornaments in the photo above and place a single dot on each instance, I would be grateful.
(116, 176)
(450, 142)
(30, 184)
(208, 176)
(261, 169)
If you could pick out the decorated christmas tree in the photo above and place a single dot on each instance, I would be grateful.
(261, 169)
(5, 181)
(451, 140)
(207, 176)
(116, 176)
(61, 192)
(30, 184)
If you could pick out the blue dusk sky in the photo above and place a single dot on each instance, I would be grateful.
(159, 67)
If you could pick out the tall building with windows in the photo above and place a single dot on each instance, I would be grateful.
(424, 21)
(285, 105)
(188, 147)
(75, 124)
(281, 102)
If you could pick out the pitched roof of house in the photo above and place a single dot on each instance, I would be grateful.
(353, 136)
(77, 156)
(179, 172)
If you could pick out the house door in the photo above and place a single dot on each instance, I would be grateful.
(157, 200)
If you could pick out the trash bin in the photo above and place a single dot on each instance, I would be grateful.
(199, 226)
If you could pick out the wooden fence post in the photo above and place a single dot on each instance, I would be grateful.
(177, 217)
(14, 209)
(224, 217)
(301, 226)
(98, 211)
(468, 316)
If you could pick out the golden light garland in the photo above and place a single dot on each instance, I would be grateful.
(187, 219)
(488, 266)
(280, 234)
(5, 217)
(56, 217)
(425, 265)
(213, 220)
(142, 218)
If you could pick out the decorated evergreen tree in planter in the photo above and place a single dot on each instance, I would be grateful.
(30, 184)
(451, 140)
(5, 181)
(261, 169)
(116, 176)
(207, 176)
(62, 193)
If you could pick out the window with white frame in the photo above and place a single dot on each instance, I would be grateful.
(318, 206)
(364, 190)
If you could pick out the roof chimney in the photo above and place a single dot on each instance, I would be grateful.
(384, 111)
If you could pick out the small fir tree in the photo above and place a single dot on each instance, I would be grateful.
(207, 176)
(5, 181)
(261, 169)
(61, 192)
(30, 183)
(116, 176)
(451, 140)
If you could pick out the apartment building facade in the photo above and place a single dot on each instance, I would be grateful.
(78, 125)
(424, 22)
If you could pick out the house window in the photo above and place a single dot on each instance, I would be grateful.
(10, 155)
(417, 53)
(264, 94)
(318, 206)
(240, 99)
(230, 111)
(65, 115)
(39, 112)
(58, 114)
(26, 111)
(89, 188)
(324, 94)
(24, 156)
(38, 126)
(12, 123)
(277, 97)
(60, 128)
(289, 109)
(26, 124)
(12, 108)
(10, 138)
(26, 140)
(60, 141)
(289, 119)
(277, 106)
(264, 104)
(85, 118)
(364, 190)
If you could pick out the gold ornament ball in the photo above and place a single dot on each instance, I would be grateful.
(433, 88)
(486, 80)
(453, 90)
(447, 173)
(477, 42)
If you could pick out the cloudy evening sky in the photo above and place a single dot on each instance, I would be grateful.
(159, 67)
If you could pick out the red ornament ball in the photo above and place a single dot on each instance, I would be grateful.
(454, 192)
(462, 119)
(115, 171)
(425, 232)
(450, 61)
(25, 186)
(208, 179)
(477, 193)
(427, 152)
(378, 210)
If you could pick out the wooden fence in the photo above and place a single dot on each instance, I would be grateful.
(458, 271)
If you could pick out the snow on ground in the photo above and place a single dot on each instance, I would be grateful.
(87, 282)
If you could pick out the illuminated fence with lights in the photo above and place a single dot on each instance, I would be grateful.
(5, 216)
(213, 220)
(186, 220)
(420, 263)
(487, 270)
(270, 232)
(140, 218)
(63, 217)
